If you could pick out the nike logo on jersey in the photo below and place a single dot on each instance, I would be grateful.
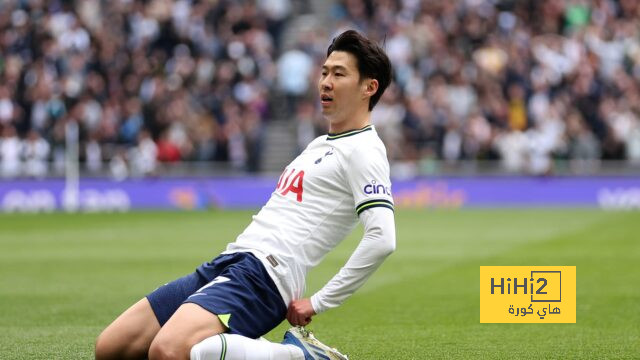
(287, 183)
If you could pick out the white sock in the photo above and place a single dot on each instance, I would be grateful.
(237, 347)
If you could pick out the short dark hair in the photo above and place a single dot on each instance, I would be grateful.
(373, 62)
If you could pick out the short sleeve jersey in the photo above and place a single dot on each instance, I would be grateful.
(316, 204)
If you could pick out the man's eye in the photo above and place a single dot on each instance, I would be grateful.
(339, 74)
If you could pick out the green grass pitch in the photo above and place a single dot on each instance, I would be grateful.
(63, 278)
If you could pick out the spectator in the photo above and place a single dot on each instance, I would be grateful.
(35, 151)
(295, 86)
(93, 155)
(143, 157)
(10, 161)
(168, 151)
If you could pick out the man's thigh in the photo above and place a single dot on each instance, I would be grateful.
(130, 335)
(189, 325)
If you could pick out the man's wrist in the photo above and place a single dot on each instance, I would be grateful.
(316, 305)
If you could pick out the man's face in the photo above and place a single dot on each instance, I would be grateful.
(340, 88)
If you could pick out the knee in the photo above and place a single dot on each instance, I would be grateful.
(105, 348)
(113, 347)
(164, 350)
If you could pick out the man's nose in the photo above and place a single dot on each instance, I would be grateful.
(325, 84)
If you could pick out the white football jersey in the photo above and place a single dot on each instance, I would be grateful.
(316, 204)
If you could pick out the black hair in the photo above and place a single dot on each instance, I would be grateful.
(373, 62)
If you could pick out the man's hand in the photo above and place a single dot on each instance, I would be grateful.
(300, 312)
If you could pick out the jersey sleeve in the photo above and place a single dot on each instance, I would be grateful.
(368, 178)
(378, 242)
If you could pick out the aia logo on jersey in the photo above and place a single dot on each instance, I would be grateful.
(375, 188)
(288, 183)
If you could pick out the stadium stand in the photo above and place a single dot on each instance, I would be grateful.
(536, 86)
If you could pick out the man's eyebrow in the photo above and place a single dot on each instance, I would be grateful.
(334, 67)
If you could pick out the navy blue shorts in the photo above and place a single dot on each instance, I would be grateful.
(236, 287)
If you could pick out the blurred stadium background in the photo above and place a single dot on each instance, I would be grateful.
(122, 91)
(191, 105)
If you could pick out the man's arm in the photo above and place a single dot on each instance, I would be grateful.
(378, 242)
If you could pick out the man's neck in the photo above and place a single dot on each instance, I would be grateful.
(357, 122)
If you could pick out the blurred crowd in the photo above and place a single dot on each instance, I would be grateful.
(532, 83)
(147, 81)
(526, 82)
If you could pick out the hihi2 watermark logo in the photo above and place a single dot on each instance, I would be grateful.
(527, 294)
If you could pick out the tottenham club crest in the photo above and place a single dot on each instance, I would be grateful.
(330, 152)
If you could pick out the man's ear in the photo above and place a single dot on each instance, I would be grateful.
(370, 87)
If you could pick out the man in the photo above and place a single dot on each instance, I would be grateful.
(340, 178)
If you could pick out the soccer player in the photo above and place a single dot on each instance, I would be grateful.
(341, 178)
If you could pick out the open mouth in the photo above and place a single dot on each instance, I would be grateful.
(325, 99)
